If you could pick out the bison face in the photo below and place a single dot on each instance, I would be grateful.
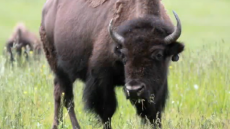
(17, 41)
(145, 46)
(146, 64)
(18, 38)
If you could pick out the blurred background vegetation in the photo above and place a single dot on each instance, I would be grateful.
(199, 83)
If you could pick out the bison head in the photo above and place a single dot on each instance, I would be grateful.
(18, 39)
(145, 46)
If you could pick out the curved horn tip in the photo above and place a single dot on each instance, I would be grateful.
(174, 13)
(177, 32)
(176, 16)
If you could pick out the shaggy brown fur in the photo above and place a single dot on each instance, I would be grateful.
(21, 37)
(78, 46)
(95, 3)
(48, 49)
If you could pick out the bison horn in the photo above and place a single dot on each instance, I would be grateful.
(114, 35)
(177, 32)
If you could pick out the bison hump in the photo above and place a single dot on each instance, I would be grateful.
(95, 3)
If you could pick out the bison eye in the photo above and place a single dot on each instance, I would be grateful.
(158, 56)
(118, 46)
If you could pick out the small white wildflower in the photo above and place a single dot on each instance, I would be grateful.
(38, 124)
(196, 86)
(172, 102)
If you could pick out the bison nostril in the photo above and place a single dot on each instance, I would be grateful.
(142, 87)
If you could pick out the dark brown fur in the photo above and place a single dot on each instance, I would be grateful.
(22, 37)
(78, 46)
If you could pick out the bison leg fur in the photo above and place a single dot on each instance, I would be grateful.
(99, 97)
(63, 88)
(9, 46)
(57, 104)
(26, 55)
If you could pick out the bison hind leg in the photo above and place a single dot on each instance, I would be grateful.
(63, 85)
(63, 88)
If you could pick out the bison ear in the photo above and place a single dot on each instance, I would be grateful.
(174, 49)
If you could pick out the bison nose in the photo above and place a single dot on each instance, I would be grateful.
(135, 90)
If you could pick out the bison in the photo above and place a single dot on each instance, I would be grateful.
(22, 37)
(109, 43)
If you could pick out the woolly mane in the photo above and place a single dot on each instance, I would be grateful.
(19, 26)
(145, 24)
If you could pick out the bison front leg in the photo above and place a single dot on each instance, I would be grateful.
(19, 53)
(148, 112)
(26, 55)
(99, 96)
(63, 87)
(9, 47)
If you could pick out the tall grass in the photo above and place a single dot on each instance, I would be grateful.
(198, 84)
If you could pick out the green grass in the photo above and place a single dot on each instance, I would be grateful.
(199, 83)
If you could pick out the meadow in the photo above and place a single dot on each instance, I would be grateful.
(199, 84)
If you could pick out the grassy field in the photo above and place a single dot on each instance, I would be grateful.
(199, 83)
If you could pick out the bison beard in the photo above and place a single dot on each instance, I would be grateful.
(136, 56)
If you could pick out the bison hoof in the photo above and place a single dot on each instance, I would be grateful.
(54, 127)
(175, 58)
(12, 59)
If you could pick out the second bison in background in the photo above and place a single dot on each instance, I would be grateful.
(80, 43)
(21, 38)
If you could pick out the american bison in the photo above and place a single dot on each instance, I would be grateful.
(22, 37)
(132, 50)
